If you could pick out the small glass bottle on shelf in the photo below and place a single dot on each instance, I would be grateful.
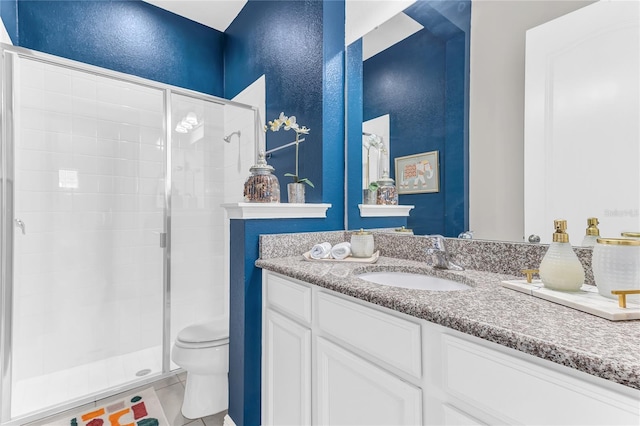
(262, 186)
(387, 193)
(592, 233)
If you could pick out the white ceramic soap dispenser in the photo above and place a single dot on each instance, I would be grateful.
(560, 268)
(592, 234)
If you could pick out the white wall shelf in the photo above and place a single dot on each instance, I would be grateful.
(275, 210)
(375, 210)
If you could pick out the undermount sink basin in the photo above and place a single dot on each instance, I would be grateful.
(414, 281)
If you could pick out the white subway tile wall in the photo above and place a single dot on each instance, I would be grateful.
(90, 185)
(89, 181)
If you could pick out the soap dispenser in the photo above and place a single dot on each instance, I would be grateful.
(593, 233)
(560, 268)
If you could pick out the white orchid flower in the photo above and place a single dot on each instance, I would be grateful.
(275, 125)
(290, 123)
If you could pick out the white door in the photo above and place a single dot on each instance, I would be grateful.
(582, 121)
(352, 391)
(286, 391)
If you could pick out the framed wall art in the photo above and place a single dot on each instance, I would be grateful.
(418, 173)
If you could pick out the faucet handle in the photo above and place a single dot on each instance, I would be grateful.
(529, 274)
(438, 242)
(467, 235)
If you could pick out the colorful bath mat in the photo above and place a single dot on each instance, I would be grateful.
(141, 408)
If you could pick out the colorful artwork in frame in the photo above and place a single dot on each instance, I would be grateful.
(418, 173)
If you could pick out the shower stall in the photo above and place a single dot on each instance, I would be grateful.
(113, 238)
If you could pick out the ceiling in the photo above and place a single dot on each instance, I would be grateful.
(362, 16)
(216, 14)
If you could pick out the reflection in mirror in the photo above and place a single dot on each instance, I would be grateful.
(488, 193)
(375, 152)
(408, 82)
(581, 89)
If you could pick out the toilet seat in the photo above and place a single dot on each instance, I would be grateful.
(204, 335)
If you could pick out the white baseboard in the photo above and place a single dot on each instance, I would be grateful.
(228, 421)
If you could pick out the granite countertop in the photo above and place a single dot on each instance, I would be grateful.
(603, 348)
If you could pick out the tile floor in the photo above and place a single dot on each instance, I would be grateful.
(170, 392)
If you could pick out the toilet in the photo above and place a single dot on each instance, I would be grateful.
(203, 351)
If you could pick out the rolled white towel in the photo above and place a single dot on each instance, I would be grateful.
(321, 251)
(341, 250)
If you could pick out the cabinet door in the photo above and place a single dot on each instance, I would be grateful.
(286, 391)
(352, 391)
(517, 391)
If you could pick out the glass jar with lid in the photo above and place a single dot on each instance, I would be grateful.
(616, 266)
(262, 186)
(362, 243)
(387, 193)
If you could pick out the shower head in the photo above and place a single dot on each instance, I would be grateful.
(227, 138)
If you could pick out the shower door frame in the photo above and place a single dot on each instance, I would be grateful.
(7, 178)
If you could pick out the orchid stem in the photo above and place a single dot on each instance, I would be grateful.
(296, 178)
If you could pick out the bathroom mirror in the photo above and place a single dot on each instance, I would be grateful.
(406, 84)
(495, 150)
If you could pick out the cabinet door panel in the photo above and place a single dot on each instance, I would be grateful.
(520, 392)
(352, 391)
(455, 417)
(289, 297)
(390, 339)
(287, 376)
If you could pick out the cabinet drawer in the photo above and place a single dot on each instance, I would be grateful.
(289, 297)
(521, 392)
(388, 338)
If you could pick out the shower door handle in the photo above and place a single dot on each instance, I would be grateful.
(20, 224)
(163, 238)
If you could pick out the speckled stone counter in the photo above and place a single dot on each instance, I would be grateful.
(596, 346)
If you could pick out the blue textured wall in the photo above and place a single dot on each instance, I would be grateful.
(408, 83)
(282, 39)
(354, 70)
(422, 83)
(130, 36)
(456, 162)
(9, 15)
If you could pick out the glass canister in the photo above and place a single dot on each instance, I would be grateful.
(362, 244)
(262, 186)
(387, 193)
(616, 266)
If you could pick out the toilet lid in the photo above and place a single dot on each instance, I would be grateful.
(205, 332)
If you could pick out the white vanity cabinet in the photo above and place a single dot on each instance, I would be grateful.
(286, 352)
(355, 378)
(330, 359)
(353, 350)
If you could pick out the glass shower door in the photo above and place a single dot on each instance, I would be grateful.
(199, 283)
(88, 209)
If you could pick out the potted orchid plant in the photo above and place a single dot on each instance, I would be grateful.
(295, 190)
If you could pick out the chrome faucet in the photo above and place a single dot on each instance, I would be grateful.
(439, 256)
